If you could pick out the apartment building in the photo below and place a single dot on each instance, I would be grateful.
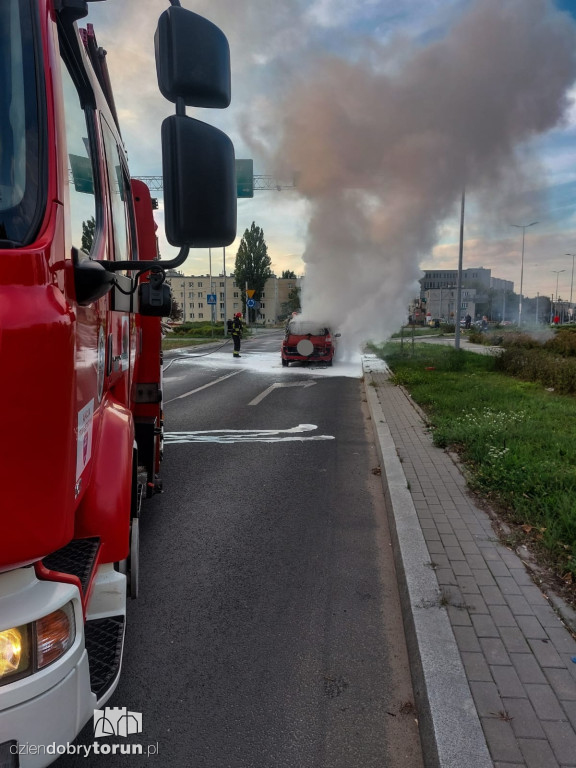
(477, 278)
(441, 303)
(191, 292)
(479, 290)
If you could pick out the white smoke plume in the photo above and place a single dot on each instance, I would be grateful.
(384, 133)
(385, 144)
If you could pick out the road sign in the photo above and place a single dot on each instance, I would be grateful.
(250, 303)
(244, 178)
(82, 174)
(250, 292)
(211, 298)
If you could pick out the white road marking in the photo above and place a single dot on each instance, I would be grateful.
(262, 395)
(205, 386)
(246, 435)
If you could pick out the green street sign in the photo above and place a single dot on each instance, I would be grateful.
(244, 178)
(82, 174)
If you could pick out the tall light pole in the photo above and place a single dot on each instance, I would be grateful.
(459, 283)
(523, 227)
(225, 288)
(557, 272)
(571, 281)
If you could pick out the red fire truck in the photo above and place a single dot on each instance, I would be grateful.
(82, 292)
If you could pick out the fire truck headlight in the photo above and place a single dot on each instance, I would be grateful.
(15, 656)
(55, 634)
(26, 649)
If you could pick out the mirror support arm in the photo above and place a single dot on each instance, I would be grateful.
(115, 266)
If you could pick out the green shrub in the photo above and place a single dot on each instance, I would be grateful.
(488, 338)
(538, 365)
(522, 341)
(563, 343)
(476, 336)
(198, 330)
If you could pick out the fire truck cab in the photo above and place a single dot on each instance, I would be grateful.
(82, 292)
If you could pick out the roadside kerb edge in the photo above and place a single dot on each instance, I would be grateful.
(450, 728)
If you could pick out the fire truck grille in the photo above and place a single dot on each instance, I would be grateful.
(76, 558)
(104, 639)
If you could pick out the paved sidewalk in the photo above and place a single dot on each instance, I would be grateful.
(494, 665)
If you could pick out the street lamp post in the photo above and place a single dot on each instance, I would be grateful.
(523, 227)
(459, 284)
(557, 272)
(571, 282)
(225, 287)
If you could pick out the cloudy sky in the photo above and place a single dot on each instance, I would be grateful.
(386, 110)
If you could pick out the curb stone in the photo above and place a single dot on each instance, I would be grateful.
(450, 729)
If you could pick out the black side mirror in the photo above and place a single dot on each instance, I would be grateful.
(193, 68)
(199, 184)
(192, 59)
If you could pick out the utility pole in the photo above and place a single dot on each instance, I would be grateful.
(459, 284)
(225, 286)
(523, 227)
(571, 284)
(212, 307)
(247, 307)
(557, 273)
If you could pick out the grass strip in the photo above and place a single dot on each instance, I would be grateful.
(176, 343)
(515, 437)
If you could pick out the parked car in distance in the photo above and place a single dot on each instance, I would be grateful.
(307, 341)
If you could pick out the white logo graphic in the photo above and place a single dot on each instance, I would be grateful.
(116, 721)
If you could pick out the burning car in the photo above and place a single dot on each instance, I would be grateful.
(307, 341)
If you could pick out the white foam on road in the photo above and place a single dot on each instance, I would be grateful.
(373, 364)
(261, 362)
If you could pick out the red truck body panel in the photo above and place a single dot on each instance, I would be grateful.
(69, 371)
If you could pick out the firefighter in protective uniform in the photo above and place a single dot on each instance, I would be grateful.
(237, 329)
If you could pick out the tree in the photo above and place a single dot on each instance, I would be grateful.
(288, 274)
(88, 232)
(252, 267)
(175, 311)
(293, 303)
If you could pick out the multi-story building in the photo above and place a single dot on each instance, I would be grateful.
(501, 286)
(191, 292)
(441, 303)
(477, 278)
(479, 289)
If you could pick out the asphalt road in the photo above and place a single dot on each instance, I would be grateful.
(268, 631)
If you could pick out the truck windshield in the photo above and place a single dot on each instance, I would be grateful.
(22, 161)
